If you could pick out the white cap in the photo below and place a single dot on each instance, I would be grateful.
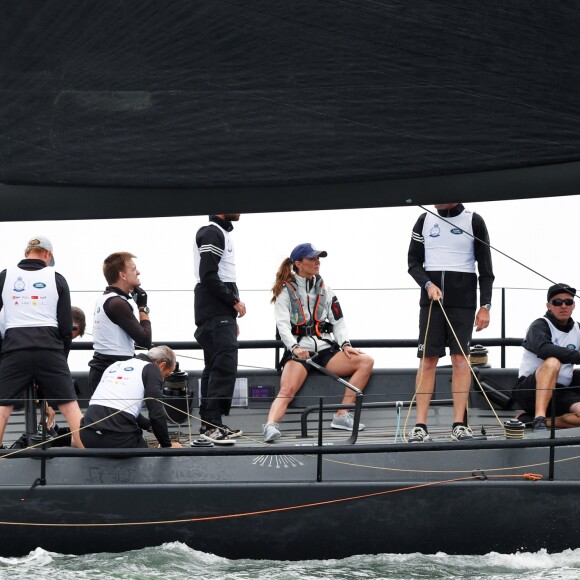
(41, 243)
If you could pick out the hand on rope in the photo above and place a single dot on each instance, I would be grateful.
(434, 292)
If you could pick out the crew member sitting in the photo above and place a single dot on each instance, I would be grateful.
(112, 418)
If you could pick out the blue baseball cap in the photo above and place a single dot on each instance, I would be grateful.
(306, 251)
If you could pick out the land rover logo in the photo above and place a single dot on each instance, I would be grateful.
(457, 231)
(128, 369)
(39, 285)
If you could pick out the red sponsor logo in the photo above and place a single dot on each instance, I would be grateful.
(34, 297)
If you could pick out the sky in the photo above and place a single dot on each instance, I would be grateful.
(366, 266)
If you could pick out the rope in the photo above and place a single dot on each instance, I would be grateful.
(489, 246)
(469, 364)
(529, 477)
(420, 378)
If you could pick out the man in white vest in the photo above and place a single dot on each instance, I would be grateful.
(112, 419)
(35, 303)
(117, 327)
(217, 306)
(551, 349)
(444, 250)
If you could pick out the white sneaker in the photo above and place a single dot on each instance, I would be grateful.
(345, 422)
(418, 435)
(461, 433)
(271, 432)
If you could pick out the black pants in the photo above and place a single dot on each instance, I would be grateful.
(100, 439)
(218, 338)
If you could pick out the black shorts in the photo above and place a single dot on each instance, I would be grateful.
(321, 358)
(46, 368)
(524, 394)
(439, 333)
(101, 439)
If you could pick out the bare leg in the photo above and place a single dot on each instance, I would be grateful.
(72, 413)
(5, 413)
(546, 377)
(293, 377)
(424, 386)
(359, 367)
(460, 384)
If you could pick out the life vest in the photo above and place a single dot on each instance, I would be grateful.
(317, 324)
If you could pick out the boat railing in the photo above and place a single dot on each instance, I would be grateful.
(510, 317)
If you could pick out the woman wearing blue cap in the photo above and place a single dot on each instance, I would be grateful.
(311, 325)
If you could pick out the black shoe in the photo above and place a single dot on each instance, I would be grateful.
(216, 436)
(525, 418)
(232, 433)
(539, 424)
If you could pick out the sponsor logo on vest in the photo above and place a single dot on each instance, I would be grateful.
(39, 285)
(128, 369)
(19, 285)
(457, 231)
(435, 231)
(571, 347)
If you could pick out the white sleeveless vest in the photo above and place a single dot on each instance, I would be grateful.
(109, 338)
(121, 387)
(227, 263)
(30, 298)
(449, 247)
(531, 362)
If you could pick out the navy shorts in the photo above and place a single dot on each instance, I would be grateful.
(439, 333)
(46, 368)
(524, 394)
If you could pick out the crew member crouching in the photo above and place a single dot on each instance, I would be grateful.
(112, 418)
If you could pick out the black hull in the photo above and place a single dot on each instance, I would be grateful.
(239, 507)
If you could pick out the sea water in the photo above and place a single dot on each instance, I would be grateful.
(175, 560)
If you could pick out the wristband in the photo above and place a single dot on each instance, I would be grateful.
(427, 284)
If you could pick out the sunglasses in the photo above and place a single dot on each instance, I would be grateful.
(559, 302)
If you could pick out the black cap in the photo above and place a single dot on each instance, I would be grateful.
(559, 289)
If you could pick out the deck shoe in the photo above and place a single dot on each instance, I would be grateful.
(418, 435)
(271, 432)
(345, 422)
(461, 433)
(232, 433)
(217, 436)
(539, 424)
(524, 418)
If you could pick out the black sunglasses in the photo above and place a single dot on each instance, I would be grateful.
(559, 301)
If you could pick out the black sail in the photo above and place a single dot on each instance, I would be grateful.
(130, 108)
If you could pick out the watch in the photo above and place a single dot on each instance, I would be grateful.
(144, 309)
(487, 306)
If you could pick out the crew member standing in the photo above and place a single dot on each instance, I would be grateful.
(116, 329)
(217, 306)
(442, 259)
(35, 302)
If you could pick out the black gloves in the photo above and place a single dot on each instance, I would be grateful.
(140, 297)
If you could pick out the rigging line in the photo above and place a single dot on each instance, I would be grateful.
(469, 363)
(240, 365)
(144, 348)
(490, 246)
(440, 471)
(244, 514)
(420, 378)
